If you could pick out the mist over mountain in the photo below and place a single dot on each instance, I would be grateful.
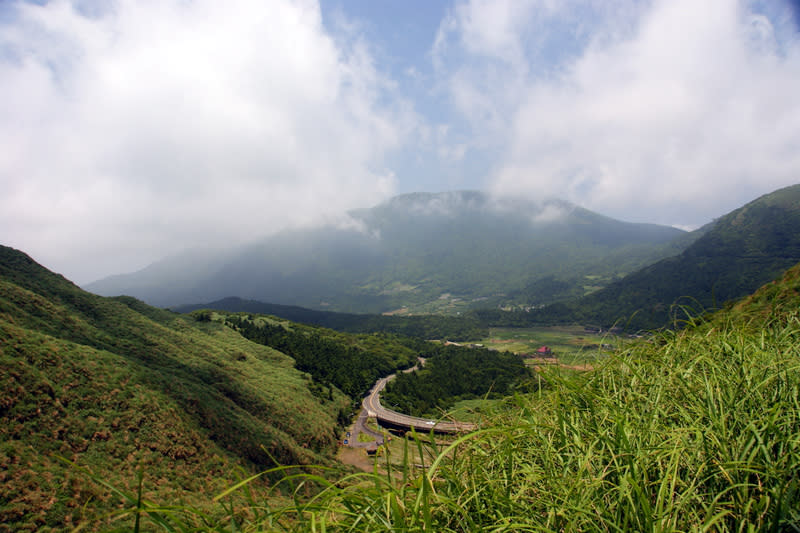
(424, 252)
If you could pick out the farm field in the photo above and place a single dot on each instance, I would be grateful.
(572, 345)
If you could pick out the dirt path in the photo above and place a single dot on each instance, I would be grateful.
(355, 457)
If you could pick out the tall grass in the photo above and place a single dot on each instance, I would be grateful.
(691, 431)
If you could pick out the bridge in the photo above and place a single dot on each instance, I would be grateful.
(394, 420)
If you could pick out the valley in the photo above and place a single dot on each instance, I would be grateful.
(566, 344)
(250, 402)
(366, 266)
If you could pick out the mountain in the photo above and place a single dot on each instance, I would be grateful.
(743, 250)
(417, 252)
(121, 388)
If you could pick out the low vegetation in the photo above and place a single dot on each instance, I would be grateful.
(694, 430)
(690, 430)
(119, 387)
(352, 363)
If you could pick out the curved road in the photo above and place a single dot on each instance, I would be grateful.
(361, 427)
(371, 407)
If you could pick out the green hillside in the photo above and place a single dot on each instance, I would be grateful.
(351, 363)
(774, 301)
(694, 430)
(740, 252)
(455, 328)
(119, 387)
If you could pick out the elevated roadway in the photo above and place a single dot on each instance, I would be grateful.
(393, 419)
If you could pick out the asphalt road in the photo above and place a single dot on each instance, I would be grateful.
(372, 405)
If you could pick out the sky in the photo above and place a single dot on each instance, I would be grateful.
(132, 129)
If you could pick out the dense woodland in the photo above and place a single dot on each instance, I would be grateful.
(350, 363)
(353, 363)
(730, 259)
(454, 373)
(454, 328)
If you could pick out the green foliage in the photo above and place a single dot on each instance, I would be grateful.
(693, 432)
(454, 373)
(740, 252)
(773, 301)
(350, 363)
(453, 328)
(120, 386)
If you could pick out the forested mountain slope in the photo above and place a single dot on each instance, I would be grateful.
(119, 387)
(741, 251)
(428, 252)
(691, 430)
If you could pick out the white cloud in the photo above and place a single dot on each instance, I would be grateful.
(672, 111)
(153, 125)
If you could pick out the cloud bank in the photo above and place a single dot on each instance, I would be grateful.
(670, 111)
(132, 128)
(135, 128)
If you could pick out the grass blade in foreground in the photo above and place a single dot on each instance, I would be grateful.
(694, 431)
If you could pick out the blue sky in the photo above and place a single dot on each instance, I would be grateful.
(401, 36)
(135, 128)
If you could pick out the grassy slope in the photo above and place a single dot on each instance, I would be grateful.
(689, 431)
(775, 300)
(119, 386)
(694, 430)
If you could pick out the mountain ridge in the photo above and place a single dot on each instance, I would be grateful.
(430, 252)
(743, 250)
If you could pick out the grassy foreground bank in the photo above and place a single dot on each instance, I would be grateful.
(693, 431)
(699, 433)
